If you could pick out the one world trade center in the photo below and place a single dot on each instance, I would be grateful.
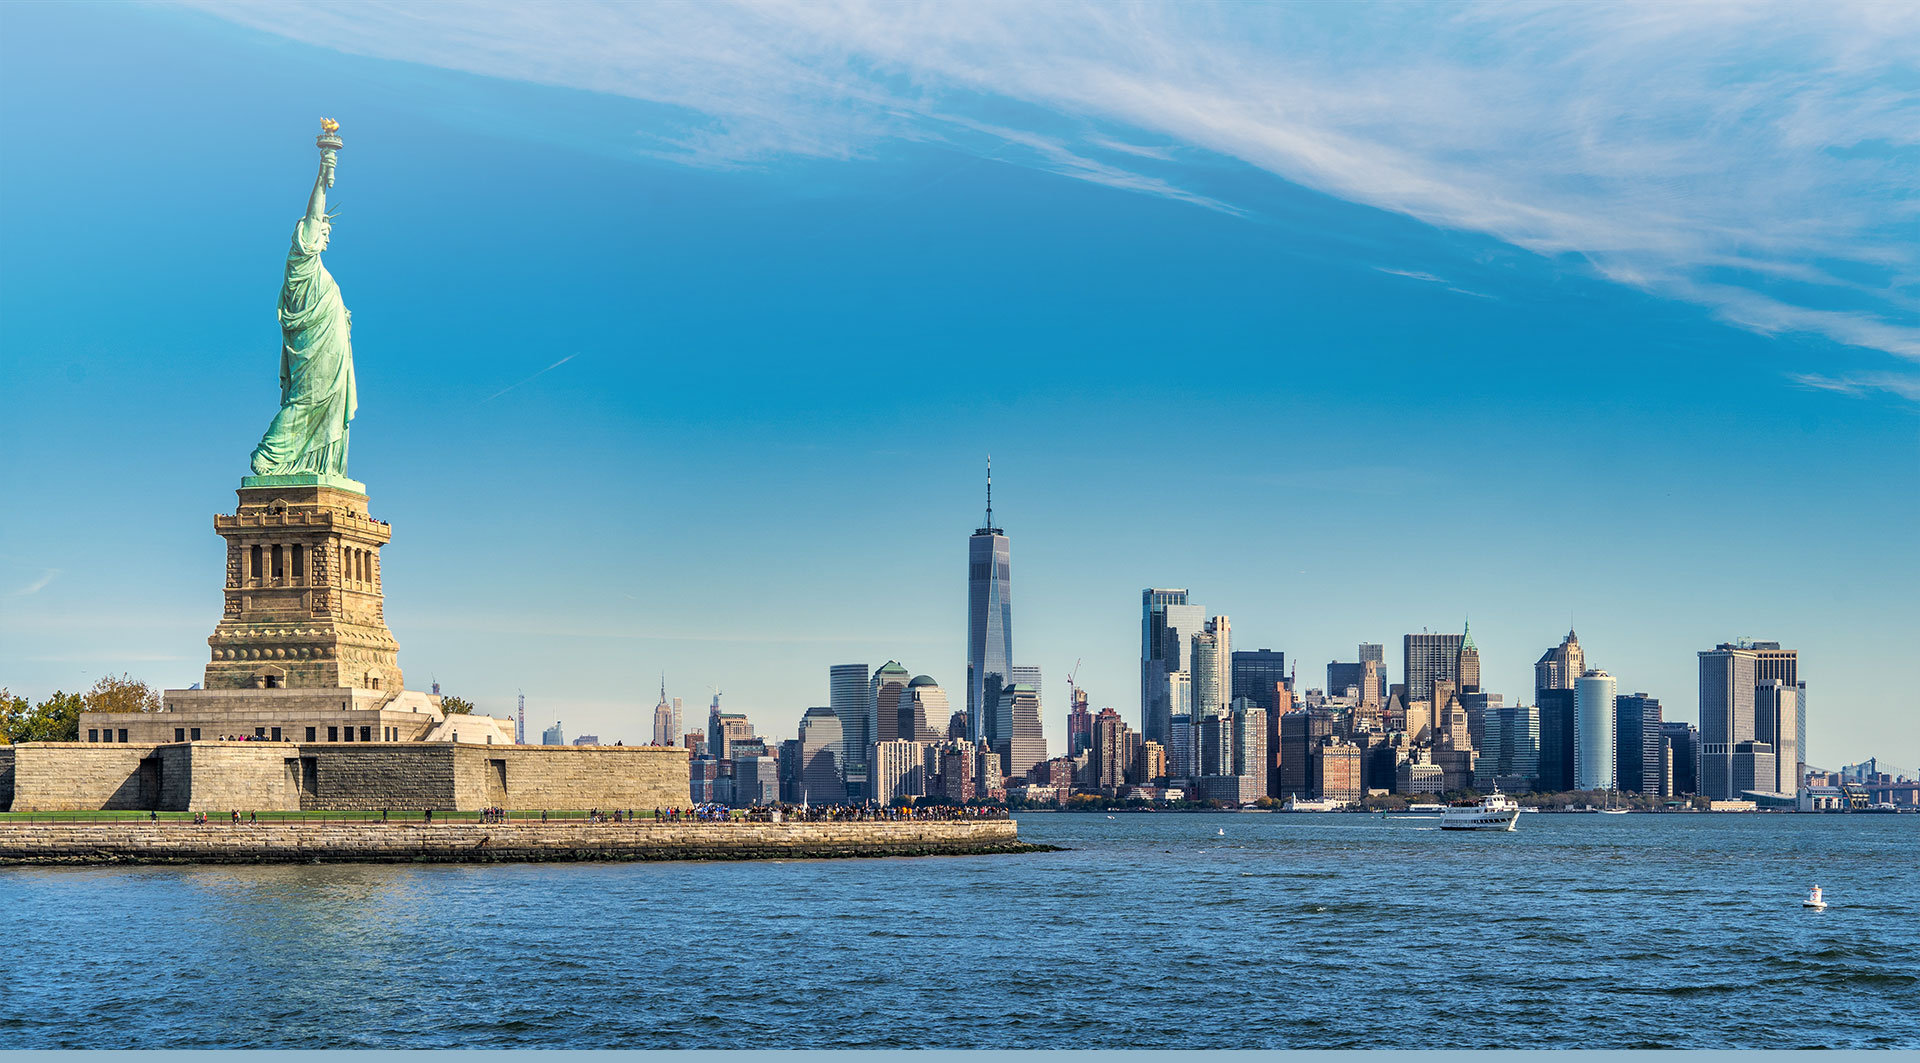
(989, 623)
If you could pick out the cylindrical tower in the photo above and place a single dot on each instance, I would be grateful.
(1593, 748)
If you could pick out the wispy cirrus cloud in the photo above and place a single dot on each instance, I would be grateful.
(1755, 159)
(1412, 274)
(1907, 386)
(38, 584)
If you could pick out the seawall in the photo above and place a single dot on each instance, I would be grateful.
(224, 843)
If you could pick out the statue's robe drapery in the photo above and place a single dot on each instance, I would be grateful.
(317, 397)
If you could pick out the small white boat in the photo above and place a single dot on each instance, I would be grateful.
(1814, 900)
(1222, 832)
(1496, 811)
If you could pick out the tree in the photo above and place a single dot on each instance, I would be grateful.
(125, 694)
(11, 707)
(455, 706)
(56, 719)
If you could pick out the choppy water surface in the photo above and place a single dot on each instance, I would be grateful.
(1290, 931)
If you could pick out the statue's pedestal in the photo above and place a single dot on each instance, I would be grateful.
(304, 605)
(305, 479)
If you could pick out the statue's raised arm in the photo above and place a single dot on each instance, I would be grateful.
(317, 396)
(329, 143)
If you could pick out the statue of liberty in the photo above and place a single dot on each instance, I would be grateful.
(317, 398)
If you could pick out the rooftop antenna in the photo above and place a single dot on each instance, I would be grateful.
(1073, 702)
(989, 492)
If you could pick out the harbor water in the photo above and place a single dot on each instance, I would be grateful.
(1148, 931)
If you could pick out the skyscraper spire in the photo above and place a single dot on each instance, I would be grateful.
(989, 623)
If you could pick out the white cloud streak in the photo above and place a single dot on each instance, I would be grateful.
(1755, 159)
(39, 584)
(528, 380)
(1906, 386)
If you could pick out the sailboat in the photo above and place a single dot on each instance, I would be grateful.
(1610, 810)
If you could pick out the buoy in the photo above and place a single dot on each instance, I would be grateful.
(1813, 899)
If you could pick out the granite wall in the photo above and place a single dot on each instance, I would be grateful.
(220, 842)
(264, 776)
(60, 776)
(605, 777)
(379, 776)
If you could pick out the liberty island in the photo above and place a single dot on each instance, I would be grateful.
(303, 714)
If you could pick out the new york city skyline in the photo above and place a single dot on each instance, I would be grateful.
(1330, 420)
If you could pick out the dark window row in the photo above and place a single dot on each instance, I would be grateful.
(192, 734)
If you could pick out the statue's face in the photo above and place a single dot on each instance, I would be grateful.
(326, 234)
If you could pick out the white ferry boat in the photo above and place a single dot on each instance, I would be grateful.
(1296, 803)
(1496, 811)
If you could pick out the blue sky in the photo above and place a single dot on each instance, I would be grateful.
(683, 334)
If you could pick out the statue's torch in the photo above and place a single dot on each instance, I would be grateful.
(328, 142)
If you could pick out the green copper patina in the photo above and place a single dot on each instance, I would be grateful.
(307, 441)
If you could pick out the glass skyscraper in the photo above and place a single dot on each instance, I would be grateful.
(1021, 743)
(850, 697)
(821, 776)
(1510, 750)
(1641, 763)
(1256, 676)
(1557, 739)
(1682, 756)
(1167, 626)
(989, 624)
(1210, 687)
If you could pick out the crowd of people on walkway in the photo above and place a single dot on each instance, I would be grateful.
(705, 813)
(616, 816)
(708, 813)
(941, 813)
